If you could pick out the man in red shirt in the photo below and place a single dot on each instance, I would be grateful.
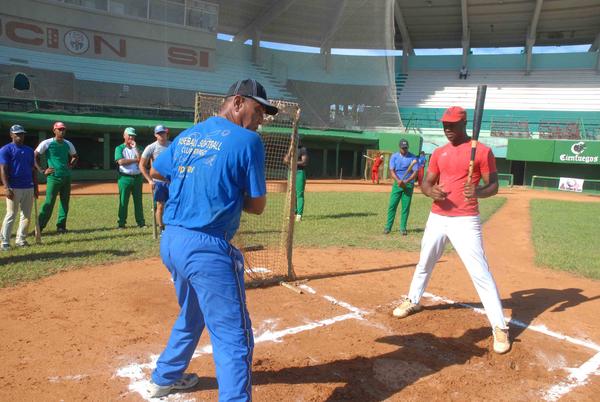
(455, 216)
(375, 169)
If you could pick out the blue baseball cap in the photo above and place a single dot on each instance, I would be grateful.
(160, 129)
(17, 129)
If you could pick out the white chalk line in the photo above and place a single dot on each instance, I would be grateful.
(77, 377)
(139, 382)
(261, 270)
(537, 328)
(578, 376)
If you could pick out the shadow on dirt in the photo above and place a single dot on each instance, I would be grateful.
(378, 378)
(528, 304)
(354, 272)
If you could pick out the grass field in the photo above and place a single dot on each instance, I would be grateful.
(565, 236)
(330, 220)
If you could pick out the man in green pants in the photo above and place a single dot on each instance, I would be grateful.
(404, 175)
(61, 157)
(301, 164)
(127, 156)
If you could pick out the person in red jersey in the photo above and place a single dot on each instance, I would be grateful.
(455, 217)
(375, 169)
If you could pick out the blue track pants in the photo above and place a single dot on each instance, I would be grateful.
(208, 274)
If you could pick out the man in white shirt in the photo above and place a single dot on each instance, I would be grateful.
(127, 156)
(160, 189)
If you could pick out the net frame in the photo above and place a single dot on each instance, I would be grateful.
(270, 261)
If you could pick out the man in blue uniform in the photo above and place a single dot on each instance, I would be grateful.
(402, 189)
(20, 181)
(215, 170)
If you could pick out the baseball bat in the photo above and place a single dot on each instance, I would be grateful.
(477, 116)
(408, 169)
(38, 232)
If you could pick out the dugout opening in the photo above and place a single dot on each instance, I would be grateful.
(517, 169)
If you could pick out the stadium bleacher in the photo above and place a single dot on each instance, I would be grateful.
(231, 66)
(556, 90)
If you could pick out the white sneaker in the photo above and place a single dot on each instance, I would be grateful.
(298, 218)
(186, 382)
(501, 340)
(406, 308)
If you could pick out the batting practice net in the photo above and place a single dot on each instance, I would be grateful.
(266, 240)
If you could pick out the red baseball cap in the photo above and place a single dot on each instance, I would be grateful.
(59, 124)
(454, 114)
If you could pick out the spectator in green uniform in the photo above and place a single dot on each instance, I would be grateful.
(127, 156)
(301, 164)
(61, 157)
(403, 172)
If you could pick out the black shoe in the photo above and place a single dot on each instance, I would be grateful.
(121, 227)
(404, 232)
(142, 226)
(61, 230)
(386, 231)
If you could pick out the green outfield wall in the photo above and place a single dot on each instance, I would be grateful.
(555, 158)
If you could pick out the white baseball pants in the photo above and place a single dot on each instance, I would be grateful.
(23, 198)
(464, 232)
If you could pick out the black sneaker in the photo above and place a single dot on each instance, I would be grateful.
(386, 231)
(61, 230)
(404, 232)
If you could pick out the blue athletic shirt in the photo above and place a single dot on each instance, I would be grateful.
(211, 166)
(19, 161)
(399, 164)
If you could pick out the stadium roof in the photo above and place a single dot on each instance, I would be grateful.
(418, 23)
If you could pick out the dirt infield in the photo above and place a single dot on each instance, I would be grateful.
(91, 333)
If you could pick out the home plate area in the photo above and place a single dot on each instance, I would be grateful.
(330, 343)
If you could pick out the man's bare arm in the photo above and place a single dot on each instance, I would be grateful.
(489, 189)
(431, 188)
(124, 161)
(4, 176)
(155, 175)
(73, 161)
(256, 205)
(303, 161)
(143, 163)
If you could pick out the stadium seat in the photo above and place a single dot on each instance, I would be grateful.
(556, 90)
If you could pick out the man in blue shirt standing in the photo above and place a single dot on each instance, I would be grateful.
(404, 182)
(422, 163)
(20, 183)
(215, 170)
